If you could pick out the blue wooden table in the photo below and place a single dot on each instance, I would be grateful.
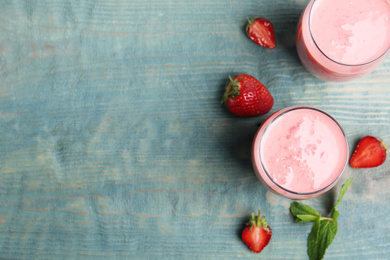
(114, 145)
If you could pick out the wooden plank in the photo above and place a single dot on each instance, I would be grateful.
(114, 145)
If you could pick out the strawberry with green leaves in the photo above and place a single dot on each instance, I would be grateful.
(370, 152)
(246, 96)
(257, 233)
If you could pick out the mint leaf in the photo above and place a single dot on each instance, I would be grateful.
(306, 218)
(327, 231)
(304, 213)
(335, 215)
(324, 229)
(315, 230)
(343, 190)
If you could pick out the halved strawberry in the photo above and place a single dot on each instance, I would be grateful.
(257, 233)
(261, 31)
(370, 152)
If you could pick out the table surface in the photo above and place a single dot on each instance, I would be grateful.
(114, 144)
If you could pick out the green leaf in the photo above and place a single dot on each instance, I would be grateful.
(307, 218)
(313, 236)
(327, 231)
(343, 190)
(324, 229)
(335, 215)
(304, 213)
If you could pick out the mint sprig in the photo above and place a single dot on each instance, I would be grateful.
(324, 229)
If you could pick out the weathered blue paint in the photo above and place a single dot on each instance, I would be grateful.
(113, 143)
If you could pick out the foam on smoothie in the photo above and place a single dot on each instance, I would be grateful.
(303, 150)
(351, 31)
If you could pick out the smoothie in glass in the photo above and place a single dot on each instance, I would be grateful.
(300, 152)
(341, 40)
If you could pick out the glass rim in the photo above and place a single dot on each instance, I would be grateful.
(324, 188)
(332, 60)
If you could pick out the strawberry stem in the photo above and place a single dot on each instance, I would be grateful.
(258, 221)
(231, 90)
(250, 22)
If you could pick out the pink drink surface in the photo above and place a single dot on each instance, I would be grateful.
(341, 40)
(303, 151)
(351, 31)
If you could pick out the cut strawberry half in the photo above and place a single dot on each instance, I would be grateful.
(261, 31)
(370, 152)
(257, 233)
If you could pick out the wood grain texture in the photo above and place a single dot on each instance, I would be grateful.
(113, 143)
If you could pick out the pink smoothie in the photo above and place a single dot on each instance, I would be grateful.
(343, 39)
(300, 152)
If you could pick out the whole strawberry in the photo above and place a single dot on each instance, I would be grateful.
(246, 96)
(257, 234)
(261, 31)
(370, 152)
